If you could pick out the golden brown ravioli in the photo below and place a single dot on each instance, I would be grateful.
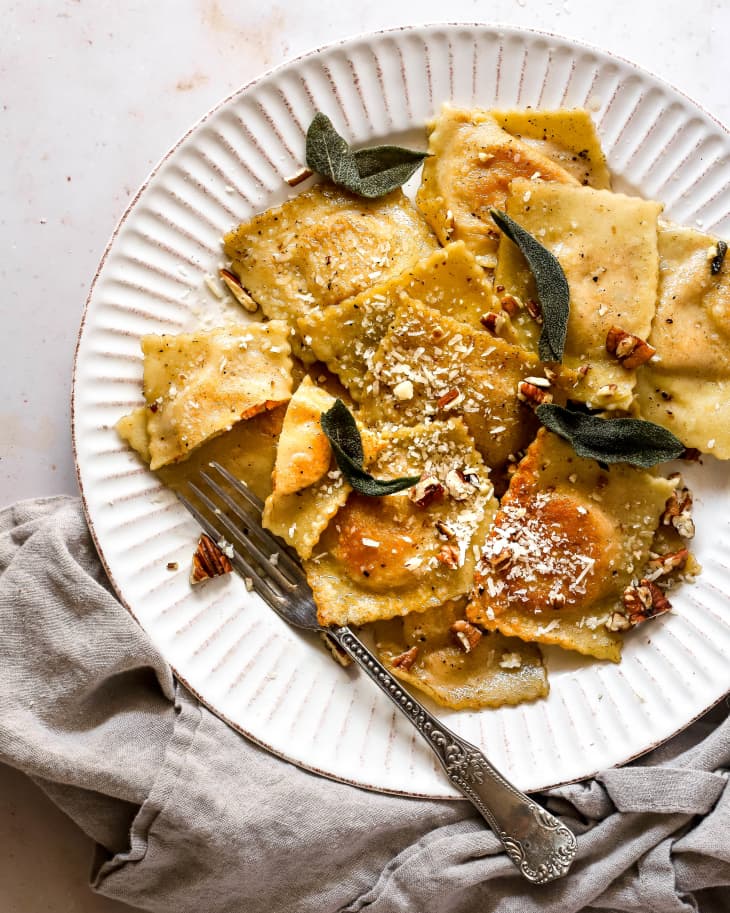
(247, 451)
(308, 488)
(606, 244)
(499, 670)
(198, 385)
(323, 246)
(472, 162)
(132, 428)
(429, 366)
(303, 453)
(388, 556)
(346, 335)
(568, 538)
(567, 136)
(686, 387)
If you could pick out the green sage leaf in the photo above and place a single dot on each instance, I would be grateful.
(552, 286)
(344, 437)
(370, 172)
(611, 440)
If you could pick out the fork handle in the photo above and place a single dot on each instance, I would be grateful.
(540, 845)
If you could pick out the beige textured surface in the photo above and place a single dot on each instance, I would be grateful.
(33, 829)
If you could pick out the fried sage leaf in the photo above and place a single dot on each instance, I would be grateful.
(612, 440)
(344, 437)
(552, 286)
(370, 173)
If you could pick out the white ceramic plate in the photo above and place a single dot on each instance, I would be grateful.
(264, 678)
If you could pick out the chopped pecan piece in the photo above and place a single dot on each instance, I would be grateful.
(618, 622)
(458, 486)
(449, 555)
(209, 561)
(426, 491)
(678, 513)
(233, 284)
(405, 660)
(630, 350)
(500, 561)
(665, 564)
(443, 529)
(447, 398)
(495, 323)
(556, 600)
(300, 176)
(645, 601)
(466, 635)
(532, 394)
(510, 304)
(338, 654)
(534, 309)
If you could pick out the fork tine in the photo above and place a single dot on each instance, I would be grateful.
(270, 569)
(243, 490)
(265, 539)
(255, 533)
(261, 585)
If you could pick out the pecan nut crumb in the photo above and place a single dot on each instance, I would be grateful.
(618, 622)
(427, 490)
(532, 394)
(502, 560)
(443, 529)
(645, 601)
(447, 398)
(233, 284)
(449, 556)
(665, 564)
(299, 177)
(338, 654)
(678, 513)
(556, 600)
(466, 635)
(534, 309)
(510, 304)
(405, 660)
(458, 486)
(208, 561)
(494, 323)
(630, 350)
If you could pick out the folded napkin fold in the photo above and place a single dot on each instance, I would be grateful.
(190, 816)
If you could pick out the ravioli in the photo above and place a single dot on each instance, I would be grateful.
(388, 556)
(308, 488)
(565, 135)
(301, 518)
(198, 385)
(303, 454)
(247, 451)
(323, 246)
(469, 170)
(345, 336)
(132, 428)
(499, 670)
(686, 388)
(430, 366)
(568, 538)
(606, 244)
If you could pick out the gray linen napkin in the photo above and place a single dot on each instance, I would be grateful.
(189, 816)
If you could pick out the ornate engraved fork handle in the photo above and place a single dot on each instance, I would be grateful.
(540, 846)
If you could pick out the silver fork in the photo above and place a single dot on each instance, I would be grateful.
(540, 845)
